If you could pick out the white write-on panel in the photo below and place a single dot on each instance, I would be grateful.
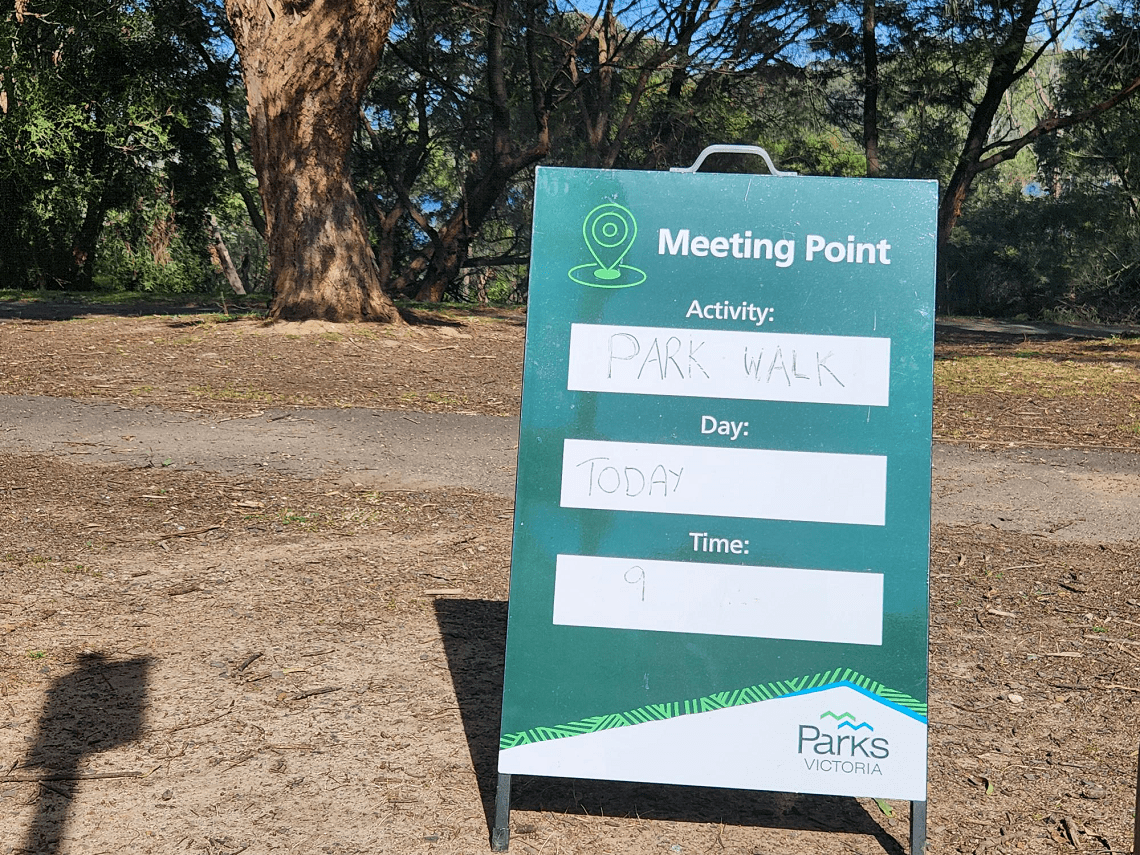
(732, 364)
(724, 482)
(797, 604)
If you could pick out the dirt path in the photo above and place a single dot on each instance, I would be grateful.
(1069, 494)
(380, 449)
(1064, 494)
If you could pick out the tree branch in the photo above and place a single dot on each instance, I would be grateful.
(1056, 123)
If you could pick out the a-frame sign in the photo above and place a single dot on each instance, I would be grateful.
(722, 521)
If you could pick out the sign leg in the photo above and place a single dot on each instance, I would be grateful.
(501, 834)
(1136, 814)
(918, 828)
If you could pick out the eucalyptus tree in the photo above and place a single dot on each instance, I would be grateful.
(1091, 173)
(646, 72)
(1103, 152)
(954, 90)
(470, 97)
(306, 66)
(1008, 39)
(721, 63)
(462, 109)
(861, 48)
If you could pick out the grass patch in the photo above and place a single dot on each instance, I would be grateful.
(1031, 373)
(224, 307)
(231, 393)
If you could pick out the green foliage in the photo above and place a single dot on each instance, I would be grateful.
(105, 108)
(141, 250)
(820, 153)
(1002, 253)
(122, 126)
(1072, 257)
(1073, 252)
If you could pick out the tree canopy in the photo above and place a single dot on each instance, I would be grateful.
(356, 152)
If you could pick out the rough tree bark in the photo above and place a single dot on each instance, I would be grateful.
(306, 65)
(870, 90)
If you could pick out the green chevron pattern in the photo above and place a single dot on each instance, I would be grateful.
(720, 700)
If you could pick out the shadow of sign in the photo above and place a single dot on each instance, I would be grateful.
(97, 706)
(474, 638)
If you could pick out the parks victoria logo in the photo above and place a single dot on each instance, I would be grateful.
(609, 232)
(853, 752)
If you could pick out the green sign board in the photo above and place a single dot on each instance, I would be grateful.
(722, 522)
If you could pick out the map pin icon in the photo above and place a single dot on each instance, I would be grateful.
(609, 231)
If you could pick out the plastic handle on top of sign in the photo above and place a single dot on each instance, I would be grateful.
(732, 149)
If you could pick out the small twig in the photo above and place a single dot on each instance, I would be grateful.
(1111, 640)
(249, 660)
(969, 709)
(1128, 653)
(205, 721)
(245, 758)
(189, 532)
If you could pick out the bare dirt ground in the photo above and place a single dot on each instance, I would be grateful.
(253, 598)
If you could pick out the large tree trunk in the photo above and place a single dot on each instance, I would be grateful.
(1006, 67)
(870, 90)
(948, 298)
(306, 65)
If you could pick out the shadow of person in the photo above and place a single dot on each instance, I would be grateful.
(474, 640)
(96, 706)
